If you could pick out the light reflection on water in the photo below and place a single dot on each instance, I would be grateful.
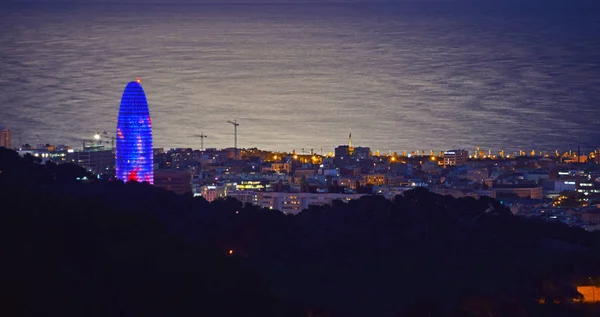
(407, 77)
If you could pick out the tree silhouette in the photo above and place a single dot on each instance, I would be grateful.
(109, 248)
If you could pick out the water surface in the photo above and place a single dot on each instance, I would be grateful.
(415, 76)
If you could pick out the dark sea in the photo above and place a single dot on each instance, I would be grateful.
(400, 77)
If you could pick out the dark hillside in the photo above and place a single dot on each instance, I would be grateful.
(106, 248)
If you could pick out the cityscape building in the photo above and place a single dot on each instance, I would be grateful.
(342, 155)
(362, 153)
(99, 161)
(530, 191)
(179, 182)
(46, 152)
(346, 155)
(5, 137)
(455, 157)
(212, 192)
(134, 154)
(245, 196)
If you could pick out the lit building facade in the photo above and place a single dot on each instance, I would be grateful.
(212, 192)
(455, 157)
(374, 179)
(134, 156)
(5, 137)
(245, 196)
(590, 293)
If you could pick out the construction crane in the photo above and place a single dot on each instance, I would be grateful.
(202, 136)
(112, 139)
(235, 125)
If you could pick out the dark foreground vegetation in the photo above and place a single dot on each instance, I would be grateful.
(94, 248)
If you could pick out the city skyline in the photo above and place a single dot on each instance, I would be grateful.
(99, 139)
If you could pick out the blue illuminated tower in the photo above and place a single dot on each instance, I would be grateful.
(134, 157)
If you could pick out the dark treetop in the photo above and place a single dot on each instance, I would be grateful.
(112, 249)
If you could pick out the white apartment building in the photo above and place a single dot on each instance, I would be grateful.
(245, 196)
(455, 157)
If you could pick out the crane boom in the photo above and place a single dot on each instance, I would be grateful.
(202, 136)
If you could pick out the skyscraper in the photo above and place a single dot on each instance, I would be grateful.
(134, 158)
(5, 137)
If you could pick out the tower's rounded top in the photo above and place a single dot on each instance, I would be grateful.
(136, 84)
(133, 94)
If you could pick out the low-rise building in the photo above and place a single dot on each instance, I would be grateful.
(374, 179)
(280, 167)
(212, 192)
(179, 182)
(523, 191)
(245, 196)
(477, 175)
(95, 160)
(305, 172)
(293, 203)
